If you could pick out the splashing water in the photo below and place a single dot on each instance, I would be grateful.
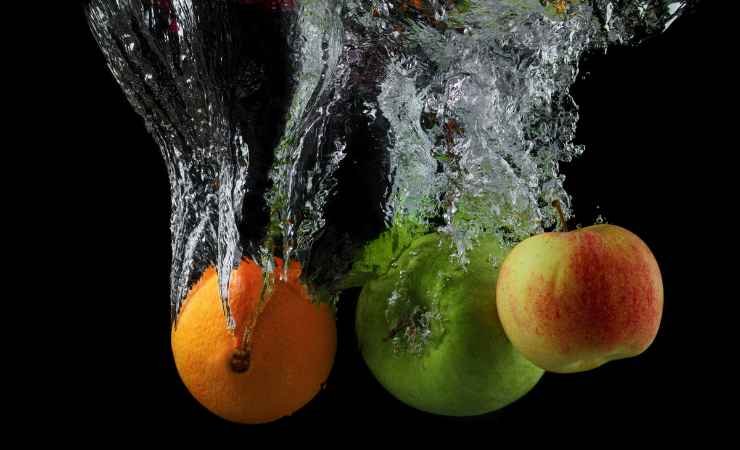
(189, 69)
(465, 104)
(478, 97)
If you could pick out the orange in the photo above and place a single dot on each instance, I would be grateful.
(276, 359)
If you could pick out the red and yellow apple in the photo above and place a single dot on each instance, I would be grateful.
(572, 301)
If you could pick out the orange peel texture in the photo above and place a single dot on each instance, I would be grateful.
(290, 341)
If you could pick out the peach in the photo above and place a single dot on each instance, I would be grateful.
(572, 301)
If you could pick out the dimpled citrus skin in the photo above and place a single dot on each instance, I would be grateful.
(292, 353)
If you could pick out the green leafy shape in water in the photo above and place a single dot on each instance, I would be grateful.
(376, 258)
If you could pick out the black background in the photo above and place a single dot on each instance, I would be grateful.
(650, 118)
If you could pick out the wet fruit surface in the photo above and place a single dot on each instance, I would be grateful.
(429, 332)
(290, 352)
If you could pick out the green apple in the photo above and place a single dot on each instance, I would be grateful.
(429, 331)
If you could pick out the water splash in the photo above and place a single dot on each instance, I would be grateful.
(185, 69)
(465, 104)
(477, 94)
(311, 150)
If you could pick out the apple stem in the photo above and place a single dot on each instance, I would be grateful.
(558, 207)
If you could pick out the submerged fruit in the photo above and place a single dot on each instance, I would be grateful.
(429, 331)
(287, 355)
(572, 301)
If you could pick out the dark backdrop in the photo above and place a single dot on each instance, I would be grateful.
(650, 120)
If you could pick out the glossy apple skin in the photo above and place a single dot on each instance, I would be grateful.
(467, 366)
(572, 301)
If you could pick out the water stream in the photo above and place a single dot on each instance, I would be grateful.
(460, 110)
